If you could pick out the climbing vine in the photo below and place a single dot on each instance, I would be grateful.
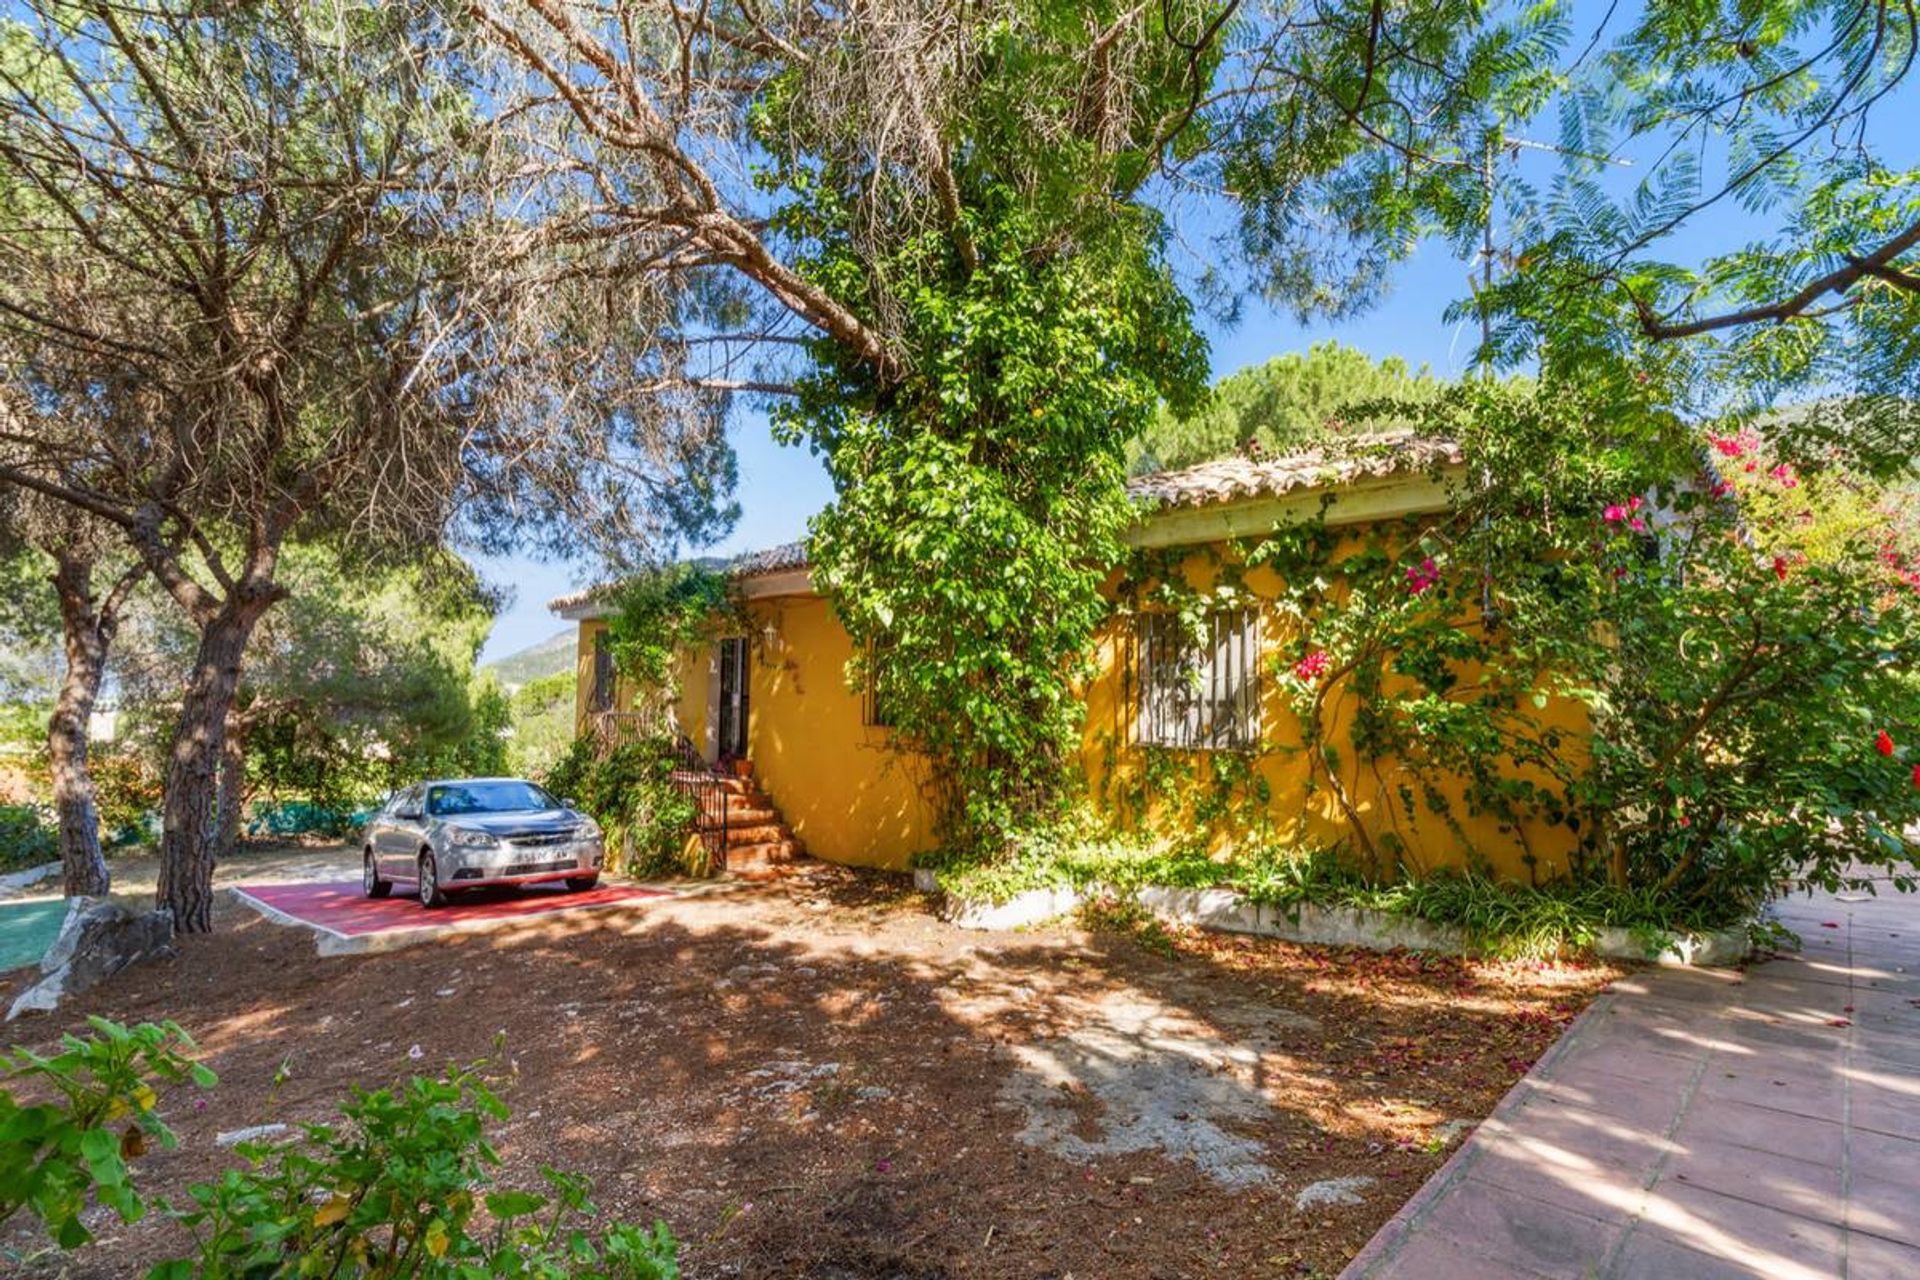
(1681, 650)
(978, 508)
(657, 617)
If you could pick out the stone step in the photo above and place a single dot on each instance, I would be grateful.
(757, 833)
(768, 856)
(741, 816)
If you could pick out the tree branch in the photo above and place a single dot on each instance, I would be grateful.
(1876, 264)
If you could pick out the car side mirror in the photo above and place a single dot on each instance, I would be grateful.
(570, 804)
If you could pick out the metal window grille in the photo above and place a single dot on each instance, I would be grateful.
(603, 673)
(1199, 691)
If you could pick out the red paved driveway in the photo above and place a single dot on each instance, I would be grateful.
(338, 905)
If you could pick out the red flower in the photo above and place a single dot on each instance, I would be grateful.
(1313, 666)
(1780, 568)
(1883, 743)
(1916, 775)
(1614, 513)
(1422, 577)
(1784, 474)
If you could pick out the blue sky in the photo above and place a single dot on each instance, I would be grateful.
(780, 487)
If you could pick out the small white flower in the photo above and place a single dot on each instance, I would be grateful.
(416, 1053)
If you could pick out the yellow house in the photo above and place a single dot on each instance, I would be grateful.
(777, 695)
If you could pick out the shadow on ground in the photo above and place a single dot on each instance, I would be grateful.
(817, 1079)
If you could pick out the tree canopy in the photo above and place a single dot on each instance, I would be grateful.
(1291, 402)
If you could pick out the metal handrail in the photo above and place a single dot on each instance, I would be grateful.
(707, 788)
(691, 774)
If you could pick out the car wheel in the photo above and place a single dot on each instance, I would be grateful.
(580, 884)
(431, 894)
(370, 882)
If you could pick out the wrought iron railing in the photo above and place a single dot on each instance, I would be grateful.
(691, 774)
(707, 788)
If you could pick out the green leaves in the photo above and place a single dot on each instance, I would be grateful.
(57, 1155)
(396, 1190)
(980, 500)
(1729, 635)
(629, 790)
(657, 615)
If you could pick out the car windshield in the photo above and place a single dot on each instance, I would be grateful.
(486, 797)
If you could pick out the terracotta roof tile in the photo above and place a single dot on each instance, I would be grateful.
(1237, 479)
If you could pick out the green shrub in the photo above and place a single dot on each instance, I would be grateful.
(404, 1187)
(127, 790)
(1559, 918)
(630, 793)
(27, 838)
(101, 1109)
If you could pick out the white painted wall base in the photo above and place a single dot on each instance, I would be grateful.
(1225, 911)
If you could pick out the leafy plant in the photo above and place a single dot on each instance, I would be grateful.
(1687, 668)
(127, 788)
(58, 1153)
(404, 1186)
(657, 616)
(1292, 402)
(977, 509)
(648, 821)
(26, 838)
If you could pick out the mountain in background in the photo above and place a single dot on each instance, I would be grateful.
(550, 657)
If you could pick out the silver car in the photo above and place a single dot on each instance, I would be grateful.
(464, 833)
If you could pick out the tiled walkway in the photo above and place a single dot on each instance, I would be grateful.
(1695, 1125)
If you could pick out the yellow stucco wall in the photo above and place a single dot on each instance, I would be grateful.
(851, 799)
(690, 710)
(846, 795)
(1150, 786)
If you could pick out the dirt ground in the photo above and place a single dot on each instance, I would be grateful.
(818, 1079)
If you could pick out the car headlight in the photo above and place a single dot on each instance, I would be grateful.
(587, 830)
(466, 838)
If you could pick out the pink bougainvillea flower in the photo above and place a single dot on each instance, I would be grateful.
(1883, 743)
(1721, 488)
(1780, 568)
(1784, 474)
(1313, 666)
(1636, 502)
(1637, 525)
(1752, 466)
(1422, 576)
(1614, 513)
(1728, 446)
(1916, 775)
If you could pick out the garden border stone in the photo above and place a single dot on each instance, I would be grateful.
(1224, 911)
(15, 881)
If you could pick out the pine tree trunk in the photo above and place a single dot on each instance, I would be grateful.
(86, 635)
(188, 837)
(233, 788)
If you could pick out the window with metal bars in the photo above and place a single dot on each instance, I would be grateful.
(1199, 691)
